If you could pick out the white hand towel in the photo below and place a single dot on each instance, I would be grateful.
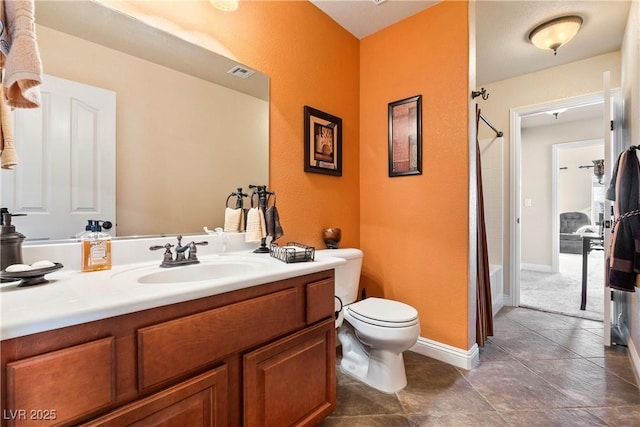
(256, 227)
(233, 219)
(23, 66)
(9, 157)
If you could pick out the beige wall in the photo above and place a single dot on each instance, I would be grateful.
(182, 143)
(570, 80)
(537, 184)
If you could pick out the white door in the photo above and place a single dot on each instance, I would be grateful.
(613, 146)
(66, 170)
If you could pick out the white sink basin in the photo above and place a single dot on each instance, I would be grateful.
(198, 272)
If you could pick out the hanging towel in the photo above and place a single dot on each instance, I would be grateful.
(233, 219)
(23, 67)
(9, 157)
(256, 228)
(272, 219)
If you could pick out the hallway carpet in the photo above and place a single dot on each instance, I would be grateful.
(539, 369)
(560, 292)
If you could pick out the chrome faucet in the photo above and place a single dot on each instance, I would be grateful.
(180, 259)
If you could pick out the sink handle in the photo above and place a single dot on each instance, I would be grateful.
(193, 249)
(168, 246)
(167, 259)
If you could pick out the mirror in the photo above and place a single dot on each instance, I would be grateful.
(188, 133)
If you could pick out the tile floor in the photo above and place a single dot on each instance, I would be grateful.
(539, 369)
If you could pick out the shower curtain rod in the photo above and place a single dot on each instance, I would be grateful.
(484, 119)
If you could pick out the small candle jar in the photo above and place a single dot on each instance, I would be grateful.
(331, 237)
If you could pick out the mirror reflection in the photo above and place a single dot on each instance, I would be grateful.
(187, 133)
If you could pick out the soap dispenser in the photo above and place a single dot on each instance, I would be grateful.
(10, 240)
(96, 248)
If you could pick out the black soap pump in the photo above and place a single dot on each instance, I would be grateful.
(10, 240)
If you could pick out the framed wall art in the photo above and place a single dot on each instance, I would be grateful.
(322, 142)
(405, 137)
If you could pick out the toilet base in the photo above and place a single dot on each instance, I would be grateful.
(381, 369)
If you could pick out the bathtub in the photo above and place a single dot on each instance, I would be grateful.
(495, 276)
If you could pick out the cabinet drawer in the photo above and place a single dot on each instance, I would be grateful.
(320, 300)
(291, 382)
(173, 348)
(198, 402)
(56, 387)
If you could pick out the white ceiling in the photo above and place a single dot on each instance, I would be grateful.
(585, 112)
(502, 29)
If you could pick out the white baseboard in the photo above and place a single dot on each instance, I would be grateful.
(506, 301)
(536, 267)
(465, 359)
(498, 303)
(632, 350)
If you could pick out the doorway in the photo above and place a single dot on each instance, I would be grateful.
(571, 197)
(536, 207)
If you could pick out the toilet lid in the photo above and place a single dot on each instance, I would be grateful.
(384, 312)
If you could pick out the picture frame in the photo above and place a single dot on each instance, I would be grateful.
(405, 136)
(322, 142)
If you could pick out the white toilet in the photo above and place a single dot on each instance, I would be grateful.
(375, 331)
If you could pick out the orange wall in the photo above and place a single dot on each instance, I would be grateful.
(414, 229)
(311, 61)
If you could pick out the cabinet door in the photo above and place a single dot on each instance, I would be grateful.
(198, 402)
(291, 382)
(57, 387)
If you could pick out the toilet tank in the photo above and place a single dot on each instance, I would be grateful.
(347, 276)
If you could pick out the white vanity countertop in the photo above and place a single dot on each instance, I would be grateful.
(73, 297)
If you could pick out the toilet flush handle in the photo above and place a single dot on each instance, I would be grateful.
(340, 309)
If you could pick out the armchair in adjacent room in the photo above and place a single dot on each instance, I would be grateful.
(570, 222)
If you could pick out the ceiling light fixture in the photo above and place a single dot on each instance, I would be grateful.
(555, 113)
(226, 5)
(555, 33)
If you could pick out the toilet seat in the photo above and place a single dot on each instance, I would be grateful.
(384, 313)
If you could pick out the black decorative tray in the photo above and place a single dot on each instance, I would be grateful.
(31, 277)
(292, 252)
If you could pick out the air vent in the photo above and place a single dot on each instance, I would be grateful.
(240, 71)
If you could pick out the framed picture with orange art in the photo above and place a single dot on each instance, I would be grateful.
(322, 142)
(405, 137)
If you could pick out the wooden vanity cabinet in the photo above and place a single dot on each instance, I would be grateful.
(260, 356)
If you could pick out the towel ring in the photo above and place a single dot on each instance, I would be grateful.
(226, 203)
(275, 198)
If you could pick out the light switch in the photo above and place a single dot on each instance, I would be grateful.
(527, 202)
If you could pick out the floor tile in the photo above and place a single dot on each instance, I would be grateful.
(619, 416)
(553, 418)
(479, 419)
(586, 382)
(537, 320)
(529, 345)
(439, 389)
(357, 399)
(579, 341)
(367, 421)
(492, 352)
(616, 365)
(510, 386)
